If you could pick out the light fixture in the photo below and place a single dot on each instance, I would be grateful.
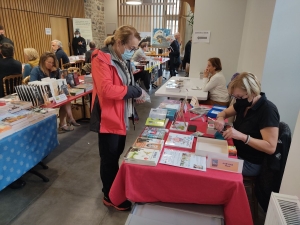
(134, 2)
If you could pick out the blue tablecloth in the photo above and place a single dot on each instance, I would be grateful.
(24, 149)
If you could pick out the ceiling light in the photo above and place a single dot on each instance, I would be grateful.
(134, 2)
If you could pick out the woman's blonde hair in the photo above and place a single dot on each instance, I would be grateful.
(31, 53)
(123, 34)
(247, 82)
(43, 59)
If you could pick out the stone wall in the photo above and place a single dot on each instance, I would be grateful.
(94, 10)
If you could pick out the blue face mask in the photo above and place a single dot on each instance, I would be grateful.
(127, 55)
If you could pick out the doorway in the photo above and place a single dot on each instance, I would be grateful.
(59, 29)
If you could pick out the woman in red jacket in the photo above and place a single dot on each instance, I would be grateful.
(113, 94)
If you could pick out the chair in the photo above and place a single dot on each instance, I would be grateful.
(66, 66)
(269, 179)
(26, 80)
(9, 82)
(79, 64)
(74, 69)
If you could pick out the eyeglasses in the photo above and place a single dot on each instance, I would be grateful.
(238, 97)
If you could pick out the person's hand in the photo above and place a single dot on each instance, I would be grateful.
(53, 69)
(80, 43)
(139, 101)
(205, 73)
(219, 124)
(232, 133)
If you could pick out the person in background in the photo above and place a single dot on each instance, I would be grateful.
(88, 54)
(59, 53)
(4, 39)
(112, 103)
(32, 58)
(187, 57)
(256, 127)
(140, 53)
(48, 67)
(8, 65)
(78, 44)
(214, 82)
(174, 54)
(177, 37)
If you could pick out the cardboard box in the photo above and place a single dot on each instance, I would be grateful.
(210, 146)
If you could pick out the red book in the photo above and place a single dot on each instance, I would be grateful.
(76, 78)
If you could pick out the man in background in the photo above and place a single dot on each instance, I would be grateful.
(88, 54)
(8, 65)
(78, 44)
(177, 37)
(61, 56)
(4, 39)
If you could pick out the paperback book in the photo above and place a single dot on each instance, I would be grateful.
(152, 132)
(156, 122)
(183, 159)
(158, 114)
(142, 156)
(170, 104)
(179, 126)
(180, 140)
(149, 143)
(76, 91)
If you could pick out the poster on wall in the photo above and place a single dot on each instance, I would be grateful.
(145, 37)
(85, 28)
(201, 36)
(159, 38)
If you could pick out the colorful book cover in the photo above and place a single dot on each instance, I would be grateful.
(179, 126)
(180, 140)
(158, 113)
(142, 156)
(149, 143)
(155, 122)
(232, 150)
(170, 104)
(152, 132)
(171, 114)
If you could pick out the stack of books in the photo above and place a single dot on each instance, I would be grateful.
(174, 85)
(157, 118)
(172, 107)
(145, 151)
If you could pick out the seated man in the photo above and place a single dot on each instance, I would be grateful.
(59, 52)
(88, 54)
(8, 65)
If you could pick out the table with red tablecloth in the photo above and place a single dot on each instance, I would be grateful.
(165, 183)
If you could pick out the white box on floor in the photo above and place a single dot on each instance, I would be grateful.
(174, 214)
(210, 146)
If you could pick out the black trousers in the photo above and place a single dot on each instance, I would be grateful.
(111, 146)
(172, 66)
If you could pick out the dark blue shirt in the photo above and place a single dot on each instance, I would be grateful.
(37, 74)
(60, 54)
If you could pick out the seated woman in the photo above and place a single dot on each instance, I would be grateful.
(214, 82)
(48, 67)
(255, 129)
(32, 58)
(140, 53)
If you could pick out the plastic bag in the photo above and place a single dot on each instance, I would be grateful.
(145, 96)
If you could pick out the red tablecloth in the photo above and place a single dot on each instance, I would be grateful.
(178, 185)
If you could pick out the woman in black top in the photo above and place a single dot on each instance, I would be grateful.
(255, 129)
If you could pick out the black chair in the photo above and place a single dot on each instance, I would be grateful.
(272, 169)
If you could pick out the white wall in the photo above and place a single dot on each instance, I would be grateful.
(256, 32)
(225, 20)
(290, 184)
(281, 76)
(110, 13)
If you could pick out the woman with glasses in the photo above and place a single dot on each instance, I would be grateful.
(48, 67)
(112, 103)
(214, 82)
(255, 129)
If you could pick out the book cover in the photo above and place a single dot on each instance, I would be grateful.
(180, 140)
(4, 127)
(70, 80)
(179, 126)
(142, 156)
(86, 87)
(62, 87)
(76, 78)
(158, 113)
(150, 143)
(171, 114)
(152, 132)
(156, 122)
(14, 118)
(232, 150)
(170, 104)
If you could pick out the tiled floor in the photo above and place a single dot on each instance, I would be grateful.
(73, 196)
